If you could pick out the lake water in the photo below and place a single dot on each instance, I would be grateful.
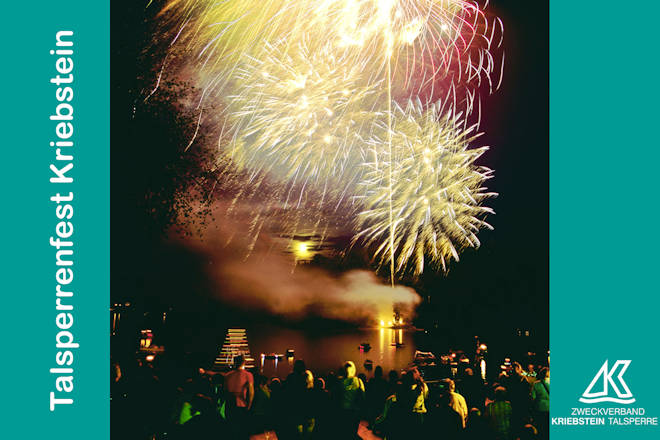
(326, 351)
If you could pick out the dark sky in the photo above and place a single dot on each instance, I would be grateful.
(503, 284)
(508, 275)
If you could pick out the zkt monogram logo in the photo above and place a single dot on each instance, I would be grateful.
(605, 377)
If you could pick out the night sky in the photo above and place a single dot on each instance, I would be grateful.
(501, 286)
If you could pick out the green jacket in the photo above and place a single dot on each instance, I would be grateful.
(541, 396)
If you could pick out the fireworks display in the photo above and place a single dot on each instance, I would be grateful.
(436, 191)
(300, 117)
(370, 107)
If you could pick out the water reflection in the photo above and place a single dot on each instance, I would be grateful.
(116, 317)
(322, 352)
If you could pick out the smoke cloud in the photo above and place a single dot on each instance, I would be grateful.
(356, 296)
(268, 280)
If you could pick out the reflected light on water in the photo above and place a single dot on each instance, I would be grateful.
(393, 349)
(381, 345)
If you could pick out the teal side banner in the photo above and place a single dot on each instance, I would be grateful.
(604, 155)
(56, 220)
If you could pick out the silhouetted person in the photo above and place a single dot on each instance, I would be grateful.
(541, 401)
(205, 422)
(498, 414)
(279, 405)
(306, 420)
(518, 391)
(376, 394)
(351, 396)
(443, 422)
(323, 410)
(476, 428)
(294, 388)
(418, 392)
(392, 379)
(239, 384)
(457, 401)
(261, 407)
(391, 422)
(472, 388)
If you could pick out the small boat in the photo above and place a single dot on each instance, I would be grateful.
(424, 359)
(365, 346)
(368, 364)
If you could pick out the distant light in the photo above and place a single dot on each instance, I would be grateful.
(150, 357)
(382, 323)
(483, 347)
(389, 324)
(303, 250)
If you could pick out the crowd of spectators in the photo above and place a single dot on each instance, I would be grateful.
(402, 405)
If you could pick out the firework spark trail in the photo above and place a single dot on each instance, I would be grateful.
(437, 192)
(300, 118)
(266, 201)
(430, 39)
(321, 96)
(387, 13)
